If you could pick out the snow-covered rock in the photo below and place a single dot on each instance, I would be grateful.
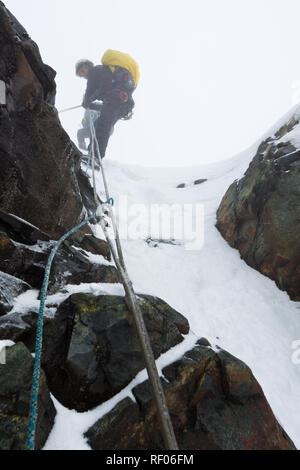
(10, 288)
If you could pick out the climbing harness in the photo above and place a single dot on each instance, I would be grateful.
(104, 210)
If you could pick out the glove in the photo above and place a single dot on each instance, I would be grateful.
(127, 116)
(86, 104)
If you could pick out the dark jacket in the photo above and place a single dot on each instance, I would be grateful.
(98, 85)
(117, 101)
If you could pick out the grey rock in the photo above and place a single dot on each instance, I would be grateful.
(203, 342)
(92, 349)
(200, 181)
(41, 180)
(92, 244)
(15, 391)
(20, 230)
(108, 432)
(10, 288)
(70, 266)
(214, 401)
(259, 214)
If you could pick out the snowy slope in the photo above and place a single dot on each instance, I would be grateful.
(225, 301)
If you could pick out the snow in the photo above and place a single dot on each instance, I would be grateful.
(225, 301)
(5, 343)
(93, 258)
(293, 137)
(10, 287)
(25, 302)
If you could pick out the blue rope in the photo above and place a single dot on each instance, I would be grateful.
(109, 201)
(39, 339)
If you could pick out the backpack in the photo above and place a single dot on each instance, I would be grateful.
(120, 64)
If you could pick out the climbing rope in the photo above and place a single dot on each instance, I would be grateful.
(39, 337)
(103, 209)
(111, 213)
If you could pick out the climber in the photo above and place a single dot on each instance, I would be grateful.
(114, 92)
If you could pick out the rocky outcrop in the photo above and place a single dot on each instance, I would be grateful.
(92, 244)
(15, 391)
(20, 230)
(185, 185)
(260, 213)
(10, 288)
(214, 401)
(40, 180)
(91, 348)
(43, 193)
(24, 252)
(70, 265)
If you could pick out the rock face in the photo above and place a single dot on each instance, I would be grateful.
(260, 213)
(15, 390)
(22, 267)
(214, 401)
(91, 349)
(40, 180)
(70, 266)
(10, 288)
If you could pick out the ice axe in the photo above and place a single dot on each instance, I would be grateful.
(69, 109)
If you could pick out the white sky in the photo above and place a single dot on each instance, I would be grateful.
(215, 75)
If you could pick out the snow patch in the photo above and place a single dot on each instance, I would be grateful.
(6, 343)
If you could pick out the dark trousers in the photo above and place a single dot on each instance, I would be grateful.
(83, 134)
(112, 110)
(103, 125)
